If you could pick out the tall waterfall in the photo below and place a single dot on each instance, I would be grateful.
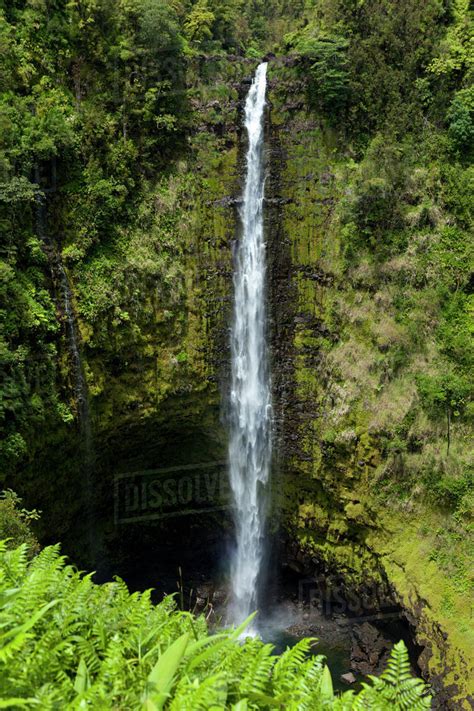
(250, 402)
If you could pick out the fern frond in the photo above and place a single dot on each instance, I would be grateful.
(211, 693)
(396, 688)
(68, 643)
(288, 664)
(256, 672)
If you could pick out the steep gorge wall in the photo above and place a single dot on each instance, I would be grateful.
(338, 395)
(151, 311)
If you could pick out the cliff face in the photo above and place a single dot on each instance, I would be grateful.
(355, 515)
(152, 312)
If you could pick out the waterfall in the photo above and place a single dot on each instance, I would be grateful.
(250, 398)
(59, 274)
(81, 393)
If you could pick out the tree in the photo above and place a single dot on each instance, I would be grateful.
(325, 59)
(198, 25)
(460, 117)
(444, 394)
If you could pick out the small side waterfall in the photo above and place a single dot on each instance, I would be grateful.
(59, 274)
(80, 381)
(81, 393)
(250, 400)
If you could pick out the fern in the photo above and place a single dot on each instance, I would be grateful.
(196, 695)
(395, 688)
(68, 643)
(258, 667)
(289, 662)
(296, 677)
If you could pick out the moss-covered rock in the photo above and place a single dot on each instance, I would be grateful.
(355, 440)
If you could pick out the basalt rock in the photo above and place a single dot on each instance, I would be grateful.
(348, 678)
(369, 649)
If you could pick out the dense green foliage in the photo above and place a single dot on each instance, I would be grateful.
(396, 81)
(374, 57)
(94, 106)
(15, 522)
(92, 102)
(68, 642)
(95, 103)
(384, 199)
(108, 111)
(94, 112)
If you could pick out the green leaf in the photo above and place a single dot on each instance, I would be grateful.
(8, 647)
(21, 629)
(240, 629)
(162, 675)
(265, 700)
(240, 705)
(326, 688)
(82, 681)
(214, 644)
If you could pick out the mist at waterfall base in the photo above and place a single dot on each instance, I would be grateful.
(250, 395)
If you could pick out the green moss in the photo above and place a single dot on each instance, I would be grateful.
(355, 512)
(360, 489)
(444, 600)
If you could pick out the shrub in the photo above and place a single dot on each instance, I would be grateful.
(324, 60)
(443, 392)
(449, 491)
(15, 522)
(461, 121)
(67, 641)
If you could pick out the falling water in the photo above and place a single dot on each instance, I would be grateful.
(59, 273)
(250, 402)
